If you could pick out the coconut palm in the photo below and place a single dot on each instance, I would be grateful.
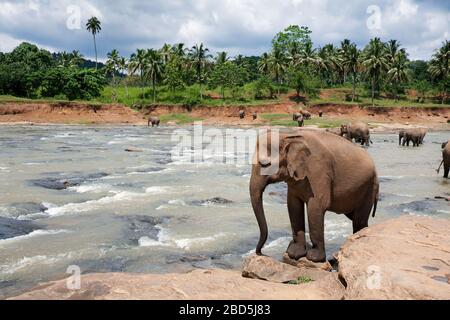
(439, 65)
(123, 67)
(350, 61)
(166, 53)
(222, 57)
(328, 62)
(112, 67)
(94, 26)
(392, 47)
(343, 51)
(277, 65)
(263, 63)
(64, 59)
(137, 64)
(306, 57)
(153, 68)
(375, 62)
(179, 50)
(199, 57)
(76, 58)
(398, 72)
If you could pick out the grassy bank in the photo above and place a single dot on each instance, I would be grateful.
(278, 119)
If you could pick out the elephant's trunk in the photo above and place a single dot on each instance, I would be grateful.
(399, 139)
(257, 186)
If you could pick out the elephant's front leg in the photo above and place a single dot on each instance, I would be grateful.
(296, 209)
(316, 217)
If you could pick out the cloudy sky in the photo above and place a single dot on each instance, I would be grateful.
(236, 26)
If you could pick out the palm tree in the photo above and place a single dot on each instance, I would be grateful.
(398, 72)
(329, 62)
(392, 48)
(439, 65)
(153, 69)
(94, 26)
(199, 56)
(166, 53)
(64, 59)
(263, 64)
(277, 65)
(112, 66)
(137, 63)
(76, 58)
(375, 62)
(350, 62)
(222, 57)
(123, 66)
(343, 51)
(179, 50)
(307, 57)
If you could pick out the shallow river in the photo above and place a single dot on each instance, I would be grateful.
(71, 195)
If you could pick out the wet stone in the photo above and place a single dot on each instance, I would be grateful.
(11, 228)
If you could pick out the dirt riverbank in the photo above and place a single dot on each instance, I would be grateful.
(75, 113)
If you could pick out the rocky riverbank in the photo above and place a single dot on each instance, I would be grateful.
(403, 258)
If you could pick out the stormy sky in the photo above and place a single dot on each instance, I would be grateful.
(236, 26)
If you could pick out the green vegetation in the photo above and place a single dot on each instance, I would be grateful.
(301, 280)
(178, 118)
(379, 74)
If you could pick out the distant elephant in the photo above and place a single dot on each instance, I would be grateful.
(323, 171)
(255, 116)
(301, 121)
(320, 114)
(359, 132)
(296, 115)
(406, 136)
(445, 158)
(242, 114)
(154, 121)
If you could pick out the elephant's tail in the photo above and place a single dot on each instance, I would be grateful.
(376, 196)
(439, 169)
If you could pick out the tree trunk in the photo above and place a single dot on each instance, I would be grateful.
(353, 88)
(154, 90)
(95, 48)
(373, 91)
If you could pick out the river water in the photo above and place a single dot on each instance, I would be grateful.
(71, 195)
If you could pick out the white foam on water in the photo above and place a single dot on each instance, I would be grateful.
(279, 242)
(92, 188)
(4, 169)
(403, 195)
(35, 233)
(27, 262)
(444, 211)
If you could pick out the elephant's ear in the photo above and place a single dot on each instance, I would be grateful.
(310, 159)
(297, 158)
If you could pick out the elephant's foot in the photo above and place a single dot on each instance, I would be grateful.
(316, 255)
(296, 250)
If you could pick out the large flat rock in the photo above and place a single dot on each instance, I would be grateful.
(197, 285)
(403, 258)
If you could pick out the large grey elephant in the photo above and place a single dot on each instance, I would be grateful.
(323, 171)
(296, 115)
(154, 121)
(358, 131)
(413, 135)
(445, 158)
(423, 133)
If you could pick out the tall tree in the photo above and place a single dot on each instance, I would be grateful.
(153, 68)
(350, 61)
(398, 71)
(375, 62)
(199, 56)
(264, 64)
(277, 65)
(123, 67)
(439, 67)
(137, 64)
(94, 26)
(112, 67)
(222, 57)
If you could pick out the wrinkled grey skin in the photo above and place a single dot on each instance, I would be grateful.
(242, 114)
(323, 171)
(414, 135)
(359, 132)
(154, 121)
(445, 158)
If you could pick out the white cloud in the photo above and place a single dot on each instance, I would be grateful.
(237, 26)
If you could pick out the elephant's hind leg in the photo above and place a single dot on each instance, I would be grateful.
(362, 214)
(296, 209)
